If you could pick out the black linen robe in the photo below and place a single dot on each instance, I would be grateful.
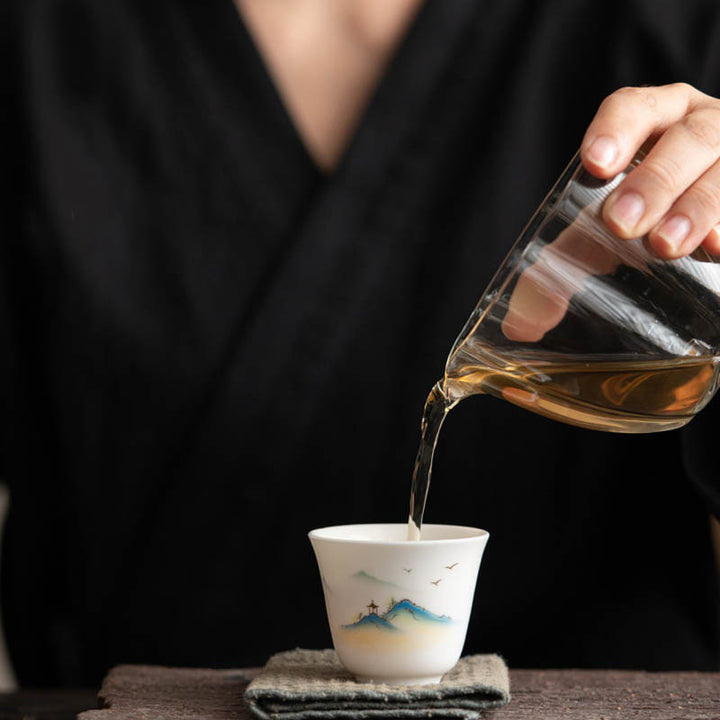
(209, 348)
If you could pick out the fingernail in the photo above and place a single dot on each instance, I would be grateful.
(602, 151)
(674, 230)
(627, 210)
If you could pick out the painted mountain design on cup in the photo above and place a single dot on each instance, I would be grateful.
(372, 621)
(403, 616)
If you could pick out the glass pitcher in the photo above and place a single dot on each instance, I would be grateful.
(583, 327)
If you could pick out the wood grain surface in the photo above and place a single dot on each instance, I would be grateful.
(141, 692)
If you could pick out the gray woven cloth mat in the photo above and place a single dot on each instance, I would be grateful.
(308, 684)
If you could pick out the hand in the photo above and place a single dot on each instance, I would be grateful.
(674, 195)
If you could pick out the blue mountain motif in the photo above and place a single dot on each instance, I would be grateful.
(419, 613)
(372, 621)
(402, 609)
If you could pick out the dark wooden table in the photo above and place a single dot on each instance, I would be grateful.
(141, 692)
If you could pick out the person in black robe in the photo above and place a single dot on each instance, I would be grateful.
(210, 345)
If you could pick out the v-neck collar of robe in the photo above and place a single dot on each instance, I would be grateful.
(407, 85)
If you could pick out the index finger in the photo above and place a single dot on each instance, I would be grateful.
(627, 118)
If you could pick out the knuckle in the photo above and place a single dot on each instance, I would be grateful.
(704, 127)
(682, 88)
(615, 98)
(636, 95)
(663, 173)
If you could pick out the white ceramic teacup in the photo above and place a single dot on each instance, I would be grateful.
(398, 609)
